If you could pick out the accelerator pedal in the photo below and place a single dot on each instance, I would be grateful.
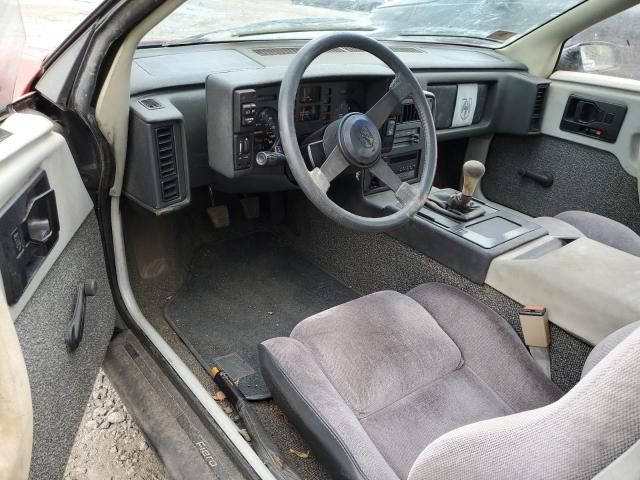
(251, 207)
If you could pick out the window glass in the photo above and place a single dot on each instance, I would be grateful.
(11, 47)
(611, 47)
(29, 31)
(48, 22)
(486, 23)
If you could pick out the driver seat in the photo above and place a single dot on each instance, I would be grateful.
(435, 385)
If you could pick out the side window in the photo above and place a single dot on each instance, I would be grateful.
(11, 45)
(611, 47)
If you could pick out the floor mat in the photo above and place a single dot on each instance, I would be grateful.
(240, 292)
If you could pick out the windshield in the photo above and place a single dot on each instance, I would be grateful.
(491, 23)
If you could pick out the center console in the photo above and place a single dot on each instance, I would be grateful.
(462, 233)
(487, 230)
(468, 247)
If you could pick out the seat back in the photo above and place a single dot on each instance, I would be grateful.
(575, 437)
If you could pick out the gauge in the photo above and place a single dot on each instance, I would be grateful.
(308, 113)
(266, 132)
(348, 106)
(309, 94)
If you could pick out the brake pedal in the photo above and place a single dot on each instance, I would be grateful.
(219, 216)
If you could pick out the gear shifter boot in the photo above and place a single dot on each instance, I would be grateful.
(452, 203)
(459, 205)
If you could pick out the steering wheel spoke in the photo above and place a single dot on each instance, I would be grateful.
(402, 190)
(333, 166)
(398, 91)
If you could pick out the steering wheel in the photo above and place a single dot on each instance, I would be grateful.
(354, 140)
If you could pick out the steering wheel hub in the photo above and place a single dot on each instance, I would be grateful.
(359, 140)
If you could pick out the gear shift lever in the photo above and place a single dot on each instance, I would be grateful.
(472, 172)
(456, 204)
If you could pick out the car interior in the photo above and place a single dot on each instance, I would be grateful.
(395, 259)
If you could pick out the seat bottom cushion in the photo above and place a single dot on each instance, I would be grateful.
(372, 382)
(402, 430)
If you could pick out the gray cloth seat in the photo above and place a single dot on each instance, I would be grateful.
(381, 387)
(573, 224)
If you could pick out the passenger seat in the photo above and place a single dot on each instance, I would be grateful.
(595, 227)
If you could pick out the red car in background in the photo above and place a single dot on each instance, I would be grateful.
(12, 37)
(30, 30)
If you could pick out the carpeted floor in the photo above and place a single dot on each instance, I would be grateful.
(242, 291)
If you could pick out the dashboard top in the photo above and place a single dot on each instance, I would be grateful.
(182, 66)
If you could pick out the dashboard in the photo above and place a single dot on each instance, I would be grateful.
(207, 114)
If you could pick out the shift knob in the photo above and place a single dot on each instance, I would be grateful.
(472, 172)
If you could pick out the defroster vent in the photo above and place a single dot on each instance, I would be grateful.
(151, 104)
(267, 52)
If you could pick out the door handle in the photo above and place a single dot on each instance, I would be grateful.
(85, 289)
(39, 218)
(29, 229)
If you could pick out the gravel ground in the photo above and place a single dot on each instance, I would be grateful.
(109, 445)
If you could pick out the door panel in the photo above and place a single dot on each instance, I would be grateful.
(60, 382)
(589, 174)
(585, 178)
(33, 146)
(617, 91)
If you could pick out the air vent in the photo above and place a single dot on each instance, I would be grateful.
(276, 51)
(538, 108)
(406, 137)
(170, 190)
(409, 113)
(151, 104)
(167, 168)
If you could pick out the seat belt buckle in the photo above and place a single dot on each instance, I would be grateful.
(534, 321)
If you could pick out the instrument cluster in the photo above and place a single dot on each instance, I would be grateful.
(317, 104)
